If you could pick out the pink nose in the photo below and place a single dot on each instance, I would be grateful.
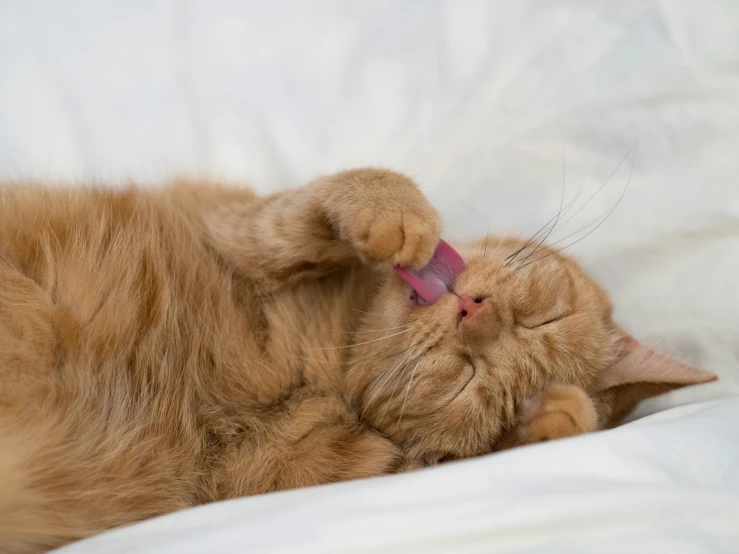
(468, 306)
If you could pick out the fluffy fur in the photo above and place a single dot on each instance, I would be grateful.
(162, 349)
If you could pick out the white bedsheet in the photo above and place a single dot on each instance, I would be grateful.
(666, 483)
(475, 100)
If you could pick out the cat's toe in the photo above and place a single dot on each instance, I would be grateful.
(560, 411)
(420, 237)
(378, 236)
(404, 237)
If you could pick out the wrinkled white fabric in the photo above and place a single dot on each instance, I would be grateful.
(481, 102)
(665, 483)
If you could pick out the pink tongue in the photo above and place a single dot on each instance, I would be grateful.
(438, 276)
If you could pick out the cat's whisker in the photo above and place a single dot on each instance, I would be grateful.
(487, 237)
(358, 310)
(384, 372)
(602, 186)
(628, 181)
(559, 213)
(497, 247)
(371, 357)
(584, 227)
(592, 196)
(408, 389)
(382, 386)
(512, 257)
(369, 330)
(399, 352)
(361, 343)
(397, 382)
(571, 203)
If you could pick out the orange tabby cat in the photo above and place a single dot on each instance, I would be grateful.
(162, 349)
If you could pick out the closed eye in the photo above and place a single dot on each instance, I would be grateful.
(547, 322)
(536, 324)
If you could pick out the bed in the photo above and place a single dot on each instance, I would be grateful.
(502, 111)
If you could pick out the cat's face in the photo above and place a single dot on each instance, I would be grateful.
(459, 369)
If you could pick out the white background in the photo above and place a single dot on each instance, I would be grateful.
(477, 101)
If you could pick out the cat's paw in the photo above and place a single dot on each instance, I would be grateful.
(401, 235)
(386, 218)
(559, 411)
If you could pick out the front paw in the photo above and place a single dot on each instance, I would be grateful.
(403, 235)
(386, 218)
(558, 412)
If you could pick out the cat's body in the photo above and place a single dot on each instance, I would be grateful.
(162, 349)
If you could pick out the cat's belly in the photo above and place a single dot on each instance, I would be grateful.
(133, 367)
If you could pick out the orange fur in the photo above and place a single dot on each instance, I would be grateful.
(162, 349)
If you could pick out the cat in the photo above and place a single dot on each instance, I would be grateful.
(161, 349)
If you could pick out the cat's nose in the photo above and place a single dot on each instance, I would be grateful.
(468, 306)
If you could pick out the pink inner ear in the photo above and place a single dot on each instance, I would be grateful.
(637, 363)
(438, 276)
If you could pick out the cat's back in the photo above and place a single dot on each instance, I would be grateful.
(124, 347)
(134, 359)
(113, 285)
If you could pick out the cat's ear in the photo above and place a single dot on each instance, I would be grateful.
(639, 372)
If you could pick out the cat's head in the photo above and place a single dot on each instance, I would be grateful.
(454, 374)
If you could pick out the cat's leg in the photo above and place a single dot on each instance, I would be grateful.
(559, 411)
(311, 439)
(78, 455)
(372, 215)
(64, 480)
